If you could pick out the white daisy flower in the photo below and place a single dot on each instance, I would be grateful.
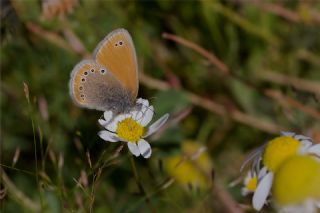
(296, 186)
(269, 157)
(250, 183)
(131, 128)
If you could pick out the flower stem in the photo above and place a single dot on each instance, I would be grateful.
(140, 186)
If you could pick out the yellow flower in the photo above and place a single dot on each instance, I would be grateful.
(297, 180)
(193, 167)
(268, 158)
(250, 183)
(130, 130)
(278, 150)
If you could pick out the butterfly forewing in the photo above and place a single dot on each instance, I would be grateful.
(117, 53)
(93, 86)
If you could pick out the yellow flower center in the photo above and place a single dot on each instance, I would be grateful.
(187, 171)
(296, 180)
(278, 150)
(130, 130)
(252, 184)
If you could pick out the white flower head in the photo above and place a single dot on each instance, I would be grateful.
(296, 186)
(132, 128)
(249, 183)
(267, 159)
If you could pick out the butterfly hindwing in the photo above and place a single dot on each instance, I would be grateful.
(93, 86)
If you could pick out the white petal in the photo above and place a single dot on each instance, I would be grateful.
(145, 148)
(107, 118)
(143, 102)
(305, 145)
(102, 122)
(156, 125)
(252, 157)
(136, 115)
(112, 126)
(108, 136)
(262, 191)
(133, 149)
(315, 150)
(145, 107)
(147, 116)
(143, 117)
(290, 134)
(107, 115)
(262, 173)
(302, 137)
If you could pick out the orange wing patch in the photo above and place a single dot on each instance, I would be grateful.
(78, 78)
(117, 53)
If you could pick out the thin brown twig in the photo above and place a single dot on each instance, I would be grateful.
(49, 36)
(210, 56)
(284, 100)
(225, 198)
(276, 9)
(75, 43)
(18, 195)
(279, 10)
(216, 108)
(302, 84)
(174, 121)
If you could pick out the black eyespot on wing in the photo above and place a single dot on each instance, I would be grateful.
(81, 88)
(85, 73)
(120, 43)
(83, 79)
(92, 70)
(102, 71)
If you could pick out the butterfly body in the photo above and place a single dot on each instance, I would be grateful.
(109, 81)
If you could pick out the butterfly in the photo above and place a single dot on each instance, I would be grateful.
(109, 81)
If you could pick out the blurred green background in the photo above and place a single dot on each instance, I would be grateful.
(267, 79)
